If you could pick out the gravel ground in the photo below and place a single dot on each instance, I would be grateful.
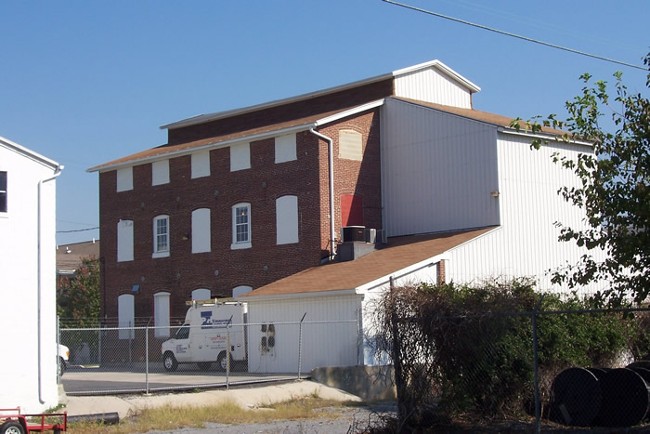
(335, 420)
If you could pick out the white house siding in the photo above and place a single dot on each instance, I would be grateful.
(23, 383)
(330, 333)
(526, 244)
(438, 170)
(374, 292)
(432, 85)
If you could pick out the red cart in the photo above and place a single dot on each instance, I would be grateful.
(12, 421)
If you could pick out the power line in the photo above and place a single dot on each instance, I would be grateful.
(514, 35)
(77, 230)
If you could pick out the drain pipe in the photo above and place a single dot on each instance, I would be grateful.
(57, 172)
(330, 150)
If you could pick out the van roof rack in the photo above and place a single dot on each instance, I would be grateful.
(211, 302)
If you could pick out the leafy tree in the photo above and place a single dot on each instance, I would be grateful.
(78, 297)
(614, 188)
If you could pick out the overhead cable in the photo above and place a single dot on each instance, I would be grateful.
(514, 35)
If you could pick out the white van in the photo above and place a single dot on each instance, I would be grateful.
(203, 338)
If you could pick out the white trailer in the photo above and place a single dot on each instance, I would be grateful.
(209, 330)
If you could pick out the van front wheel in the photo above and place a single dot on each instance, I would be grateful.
(222, 361)
(169, 362)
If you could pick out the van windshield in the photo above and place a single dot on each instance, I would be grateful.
(183, 332)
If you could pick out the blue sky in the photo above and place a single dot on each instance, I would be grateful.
(84, 82)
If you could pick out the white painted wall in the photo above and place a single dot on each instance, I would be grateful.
(330, 335)
(24, 384)
(438, 170)
(526, 243)
(434, 86)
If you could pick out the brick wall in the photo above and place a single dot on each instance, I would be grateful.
(222, 269)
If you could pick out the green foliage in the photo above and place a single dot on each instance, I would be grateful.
(78, 297)
(470, 348)
(613, 190)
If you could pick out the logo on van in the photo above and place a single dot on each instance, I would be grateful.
(208, 323)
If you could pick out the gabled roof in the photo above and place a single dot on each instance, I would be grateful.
(6, 143)
(399, 254)
(400, 72)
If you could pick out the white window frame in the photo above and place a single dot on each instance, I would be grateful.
(201, 233)
(240, 156)
(286, 219)
(285, 148)
(200, 162)
(125, 240)
(241, 230)
(160, 172)
(124, 179)
(161, 314)
(161, 238)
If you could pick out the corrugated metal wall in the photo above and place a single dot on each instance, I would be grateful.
(432, 86)
(526, 243)
(330, 333)
(438, 170)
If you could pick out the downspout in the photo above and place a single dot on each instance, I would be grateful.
(330, 150)
(57, 172)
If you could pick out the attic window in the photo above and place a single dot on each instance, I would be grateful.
(350, 145)
(3, 191)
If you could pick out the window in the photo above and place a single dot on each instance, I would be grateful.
(201, 230)
(3, 191)
(161, 314)
(240, 157)
(160, 172)
(160, 236)
(126, 316)
(350, 145)
(241, 226)
(125, 179)
(201, 294)
(286, 219)
(200, 164)
(241, 290)
(285, 148)
(125, 240)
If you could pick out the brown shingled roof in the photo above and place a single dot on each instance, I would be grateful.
(164, 150)
(69, 256)
(477, 115)
(400, 253)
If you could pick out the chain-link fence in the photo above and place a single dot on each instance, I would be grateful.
(145, 358)
(583, 368)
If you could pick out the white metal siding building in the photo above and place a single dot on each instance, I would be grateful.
(464, 199)
(28, 280)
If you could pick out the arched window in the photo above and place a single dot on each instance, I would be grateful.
(201, 230)
(126, 316)
(161, 314)
(125, 240)
(201, 294)
(241, 289)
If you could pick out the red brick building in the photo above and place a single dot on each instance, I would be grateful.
(237, 200)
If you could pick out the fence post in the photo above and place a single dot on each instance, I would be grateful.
(228, 356)
(146, 358)
(538, 412)
(300, 346)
